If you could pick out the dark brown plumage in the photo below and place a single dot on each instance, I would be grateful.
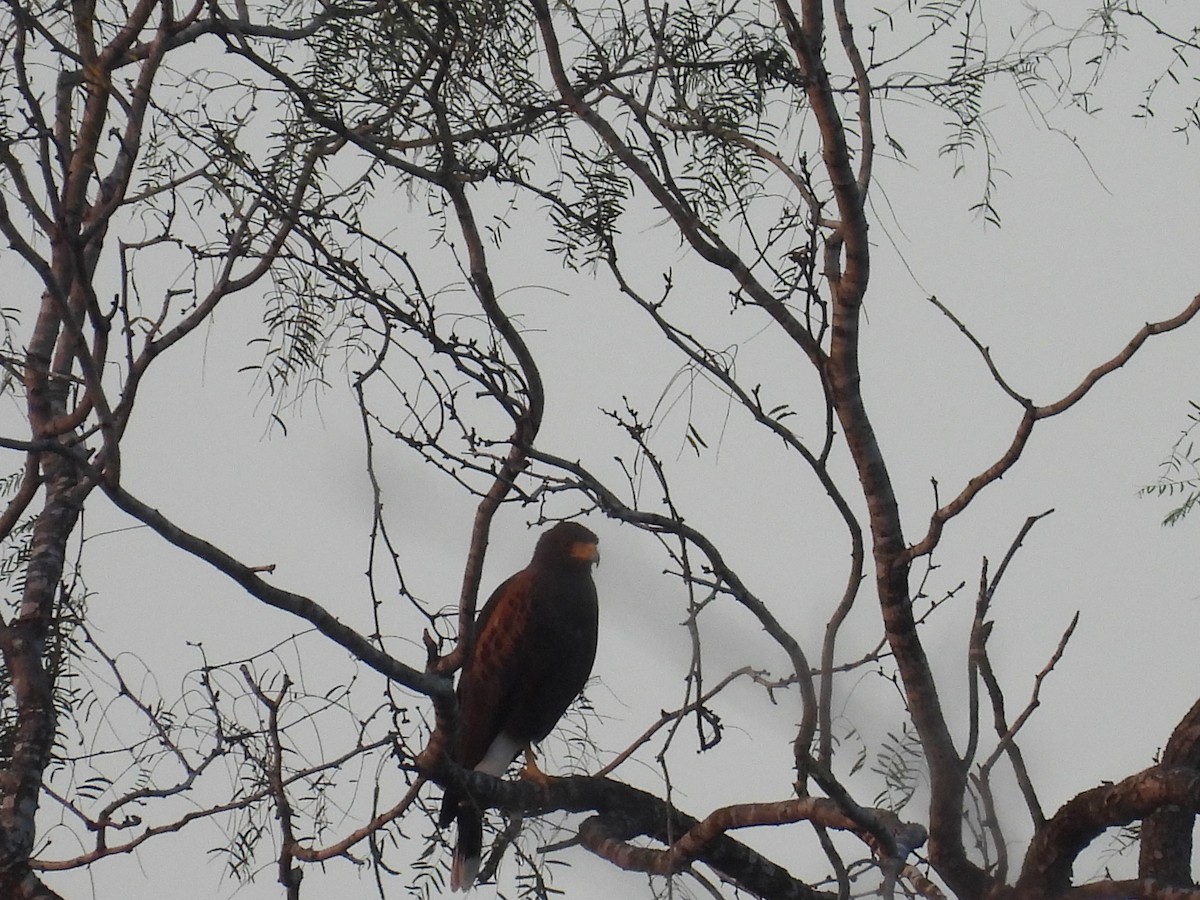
(535, 642)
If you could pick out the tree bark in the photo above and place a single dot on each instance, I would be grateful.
(1166, 848)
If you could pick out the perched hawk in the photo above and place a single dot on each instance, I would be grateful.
(535, 642)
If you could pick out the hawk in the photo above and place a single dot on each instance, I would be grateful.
(535, 642)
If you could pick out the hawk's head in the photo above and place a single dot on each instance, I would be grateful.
(567, 544)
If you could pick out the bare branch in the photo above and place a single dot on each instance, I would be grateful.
(1035, 413)
(360, 647)
(1008, 736)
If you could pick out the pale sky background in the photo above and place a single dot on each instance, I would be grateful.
(1089, 250)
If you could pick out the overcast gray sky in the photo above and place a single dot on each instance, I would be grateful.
(1093, 244)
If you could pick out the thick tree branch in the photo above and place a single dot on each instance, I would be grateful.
(1047, 868)
(624, 812)
(689, 847)
(1133, 889)
(1166, 837)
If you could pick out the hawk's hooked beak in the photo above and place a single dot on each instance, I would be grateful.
(585, 551)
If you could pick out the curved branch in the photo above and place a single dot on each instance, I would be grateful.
(528, 423)
(1109, 366)
(434, 686)
(1047, 868)
(1166, 839)
(598, 836)
(342, 846)
(625, 812)
(31, 480)
(668, 717)
(984, 352)
(1035, 413)
(862, 86)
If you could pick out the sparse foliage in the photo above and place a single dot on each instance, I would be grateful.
(364, 194)
(1179, 478)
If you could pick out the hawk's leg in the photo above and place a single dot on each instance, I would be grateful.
(530, 770)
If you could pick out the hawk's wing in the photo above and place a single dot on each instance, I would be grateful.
(499, 668)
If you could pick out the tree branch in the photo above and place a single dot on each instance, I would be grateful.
(1052, 852)
(1166, 836)
(1035, 413)
(434, 686)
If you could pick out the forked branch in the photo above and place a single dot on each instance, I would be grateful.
(1032, 415)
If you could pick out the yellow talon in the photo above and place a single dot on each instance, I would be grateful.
(530, 770)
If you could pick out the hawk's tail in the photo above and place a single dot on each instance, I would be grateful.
(468, 851)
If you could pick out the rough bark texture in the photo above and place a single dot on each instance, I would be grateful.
(23, 640)
(624, 812)
(1166, 849)
(1054, 849)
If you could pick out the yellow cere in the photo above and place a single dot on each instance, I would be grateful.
(585, 550)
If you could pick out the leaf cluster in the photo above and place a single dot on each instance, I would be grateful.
(1179, 477)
